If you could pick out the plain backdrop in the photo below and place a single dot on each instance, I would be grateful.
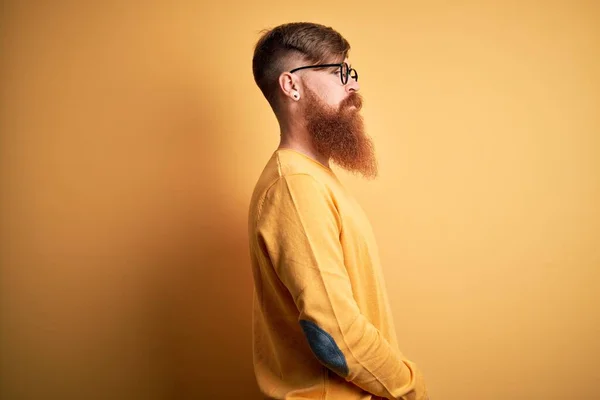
(132, 135)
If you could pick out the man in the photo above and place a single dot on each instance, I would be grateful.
(322, 325)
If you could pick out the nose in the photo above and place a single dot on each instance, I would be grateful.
(352, 85)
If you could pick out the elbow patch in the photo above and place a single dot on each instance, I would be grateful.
(325, 348)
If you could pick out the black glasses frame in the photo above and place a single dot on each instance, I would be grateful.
(350, 72)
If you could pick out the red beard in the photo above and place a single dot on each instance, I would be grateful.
(339, 134)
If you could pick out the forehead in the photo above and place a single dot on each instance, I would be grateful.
(346, 60)
(335, 60)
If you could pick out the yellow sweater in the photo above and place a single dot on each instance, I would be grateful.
(322, 326)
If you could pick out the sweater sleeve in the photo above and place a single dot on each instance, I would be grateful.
(300, 227)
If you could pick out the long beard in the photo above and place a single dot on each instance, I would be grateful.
(339, 134)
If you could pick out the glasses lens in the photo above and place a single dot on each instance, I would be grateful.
(354, 74)
(344, 73)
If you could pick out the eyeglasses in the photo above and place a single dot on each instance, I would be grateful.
(345, 70)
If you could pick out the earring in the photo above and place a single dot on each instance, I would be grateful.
(296, 95)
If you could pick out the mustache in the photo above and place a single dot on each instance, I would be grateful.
(353, 99)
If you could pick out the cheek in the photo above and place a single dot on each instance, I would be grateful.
(333, 98)
(330, 93)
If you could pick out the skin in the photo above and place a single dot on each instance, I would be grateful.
(324, 122)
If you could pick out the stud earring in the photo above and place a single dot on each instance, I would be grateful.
(296, 95)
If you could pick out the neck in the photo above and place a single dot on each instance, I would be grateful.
(299, 140)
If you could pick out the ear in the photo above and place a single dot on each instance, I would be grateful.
(289, 84)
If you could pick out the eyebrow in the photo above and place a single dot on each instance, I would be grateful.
(331, 67)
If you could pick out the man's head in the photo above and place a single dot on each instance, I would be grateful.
(323, 99)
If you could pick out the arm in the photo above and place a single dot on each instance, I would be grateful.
(301, 228)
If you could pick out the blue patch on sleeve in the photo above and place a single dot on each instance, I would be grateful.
(325, 348)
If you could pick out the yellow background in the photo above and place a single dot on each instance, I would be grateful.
(132, 134)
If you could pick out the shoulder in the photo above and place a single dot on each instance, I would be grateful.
(297, 184)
